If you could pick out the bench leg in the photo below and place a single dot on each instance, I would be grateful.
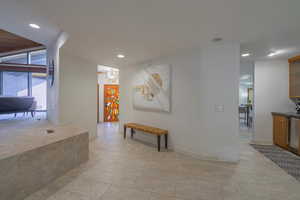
(166, 141)
(132, 132)
(125, 132)
(158, 143)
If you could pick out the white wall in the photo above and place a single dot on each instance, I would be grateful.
(103, 80)
(73, 97)
(201, 80)
(78, 93)
(53, 91)
(271, 95)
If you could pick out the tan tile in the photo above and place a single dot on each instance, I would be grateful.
(196, 191)
(91, 188)
(156, 185)
(66, 195)
(155, 196)
(129, 169)
(123, 193)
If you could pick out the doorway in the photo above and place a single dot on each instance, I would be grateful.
(111, 103)
(246, 101)
(107, 94)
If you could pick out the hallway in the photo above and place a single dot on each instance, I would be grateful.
(246, 133)
(121, 169)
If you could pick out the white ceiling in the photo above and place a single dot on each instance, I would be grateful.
(146, 29)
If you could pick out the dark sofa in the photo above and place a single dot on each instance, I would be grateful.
(15, 105)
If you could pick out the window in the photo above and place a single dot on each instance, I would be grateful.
(39, 90)
(17, 59)
(38, 57)
(15, 83)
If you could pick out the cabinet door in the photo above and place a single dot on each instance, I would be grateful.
(280, 131)
(294, 79)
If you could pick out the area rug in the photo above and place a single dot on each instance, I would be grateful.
(287, 161)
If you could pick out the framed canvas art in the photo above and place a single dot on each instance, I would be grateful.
(152, 88)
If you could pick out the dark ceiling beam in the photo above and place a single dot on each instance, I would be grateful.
(12, 42)
(23, 68)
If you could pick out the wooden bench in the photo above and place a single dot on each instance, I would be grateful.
(147, 129)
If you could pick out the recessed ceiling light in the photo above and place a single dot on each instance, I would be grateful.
(277, 52)
(246, 54)
(34, 26)
(121, 56)
(272, 54)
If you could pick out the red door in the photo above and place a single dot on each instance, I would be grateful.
(111, 103)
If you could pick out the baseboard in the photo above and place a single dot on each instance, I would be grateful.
(261, 142)
(203, 157)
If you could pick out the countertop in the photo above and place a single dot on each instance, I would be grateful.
(16, 141)
(287, 114)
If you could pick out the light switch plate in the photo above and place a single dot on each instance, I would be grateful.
(219, 108)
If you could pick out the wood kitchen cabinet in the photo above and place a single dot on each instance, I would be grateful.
(294, 77)
(280, 130)
(286, 131)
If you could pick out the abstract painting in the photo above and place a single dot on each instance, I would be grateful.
(152, 88)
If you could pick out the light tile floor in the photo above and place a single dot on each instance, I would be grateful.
(127, 169)
(246, 133)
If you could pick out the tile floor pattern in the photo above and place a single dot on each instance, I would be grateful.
(130, 170)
